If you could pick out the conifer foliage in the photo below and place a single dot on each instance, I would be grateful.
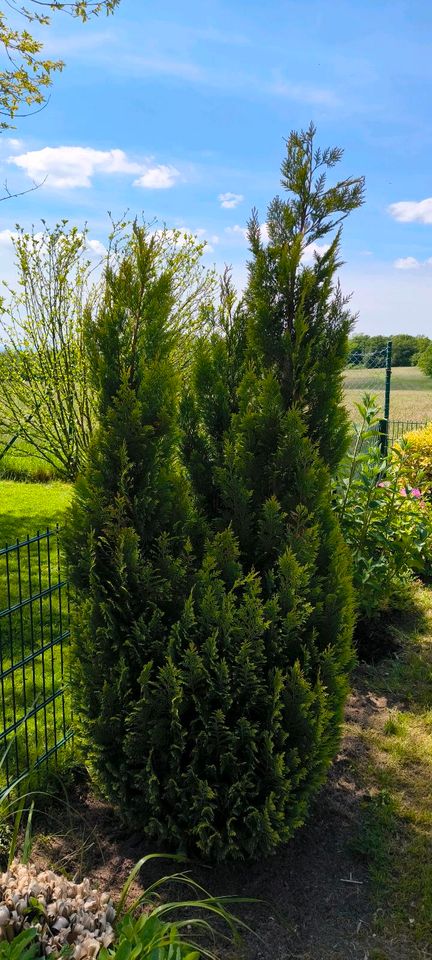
(300, 320)
(129, 558)
(214, 653)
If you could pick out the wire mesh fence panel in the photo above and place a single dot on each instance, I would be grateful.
(35, 717)
(398, 428)
(388, 433)
(369, 373)
(366, 373)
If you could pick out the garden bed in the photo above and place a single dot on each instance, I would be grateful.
(337, 891)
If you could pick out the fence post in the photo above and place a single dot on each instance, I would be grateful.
(385, 422)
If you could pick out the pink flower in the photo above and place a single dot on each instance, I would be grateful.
(403, 492)
(415, 492)
(384, 483)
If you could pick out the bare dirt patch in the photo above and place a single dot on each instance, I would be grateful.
(318, 900)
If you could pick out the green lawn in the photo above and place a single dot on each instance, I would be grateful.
(33, 628)
(26, 508)
(411, 391)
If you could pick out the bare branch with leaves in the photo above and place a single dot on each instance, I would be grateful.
(28, 75)
(47, 398)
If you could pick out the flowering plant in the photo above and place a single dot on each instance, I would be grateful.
(386, 523)
(419, 458)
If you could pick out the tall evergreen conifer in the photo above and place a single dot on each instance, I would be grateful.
(241, 720)
(299, 319)
(220, 675)
(128, 551)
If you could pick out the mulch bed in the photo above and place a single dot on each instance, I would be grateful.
(318, 902)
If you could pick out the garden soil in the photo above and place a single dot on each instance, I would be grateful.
(316, 893)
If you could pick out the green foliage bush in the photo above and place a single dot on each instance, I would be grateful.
(385, 520)
(424, 359)
(213, 638)
(126, 536)
(153, 927)
(418, 458)
(25, 946)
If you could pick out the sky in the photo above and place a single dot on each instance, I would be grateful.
(180, 112)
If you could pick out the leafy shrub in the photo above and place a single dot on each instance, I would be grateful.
(25, 946)
(418, 458)
(386, 522)
(424, 359)
(156, 928)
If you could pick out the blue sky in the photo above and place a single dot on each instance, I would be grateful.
(181, 110)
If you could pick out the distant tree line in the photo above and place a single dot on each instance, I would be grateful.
(367, 351)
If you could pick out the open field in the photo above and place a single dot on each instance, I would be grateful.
(411, 391)
(33, 621)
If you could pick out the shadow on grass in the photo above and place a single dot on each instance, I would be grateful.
(394, 839)
(384, 635)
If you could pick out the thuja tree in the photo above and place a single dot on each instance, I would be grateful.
(300, 320)
(211, 677)
(211, 396)
(235, 728)
(127, 542)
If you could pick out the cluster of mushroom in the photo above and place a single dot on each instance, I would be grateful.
(63, 913)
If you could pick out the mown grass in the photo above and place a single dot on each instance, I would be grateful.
(26, 508)
(30, 635)
(396, 769)
(21, 462)
(411, 391)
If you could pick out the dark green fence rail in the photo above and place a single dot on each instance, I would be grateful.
(35, 711)
(387, 432)
(398, 428)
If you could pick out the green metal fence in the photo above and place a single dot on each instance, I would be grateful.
(387, 432)
(398, 428)
(35, 713)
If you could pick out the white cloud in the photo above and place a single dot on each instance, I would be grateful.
(160, 177)
(66, 167)
(384, 297)
(411, 211)
(302, 93)
(411, 263)
(6, 237)
(182, 235)
(230, 200)
(242, 232)
(314, 248)
(406, 263)
(70, 167)
(97, 247)
(309, 251)
(237, 230)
